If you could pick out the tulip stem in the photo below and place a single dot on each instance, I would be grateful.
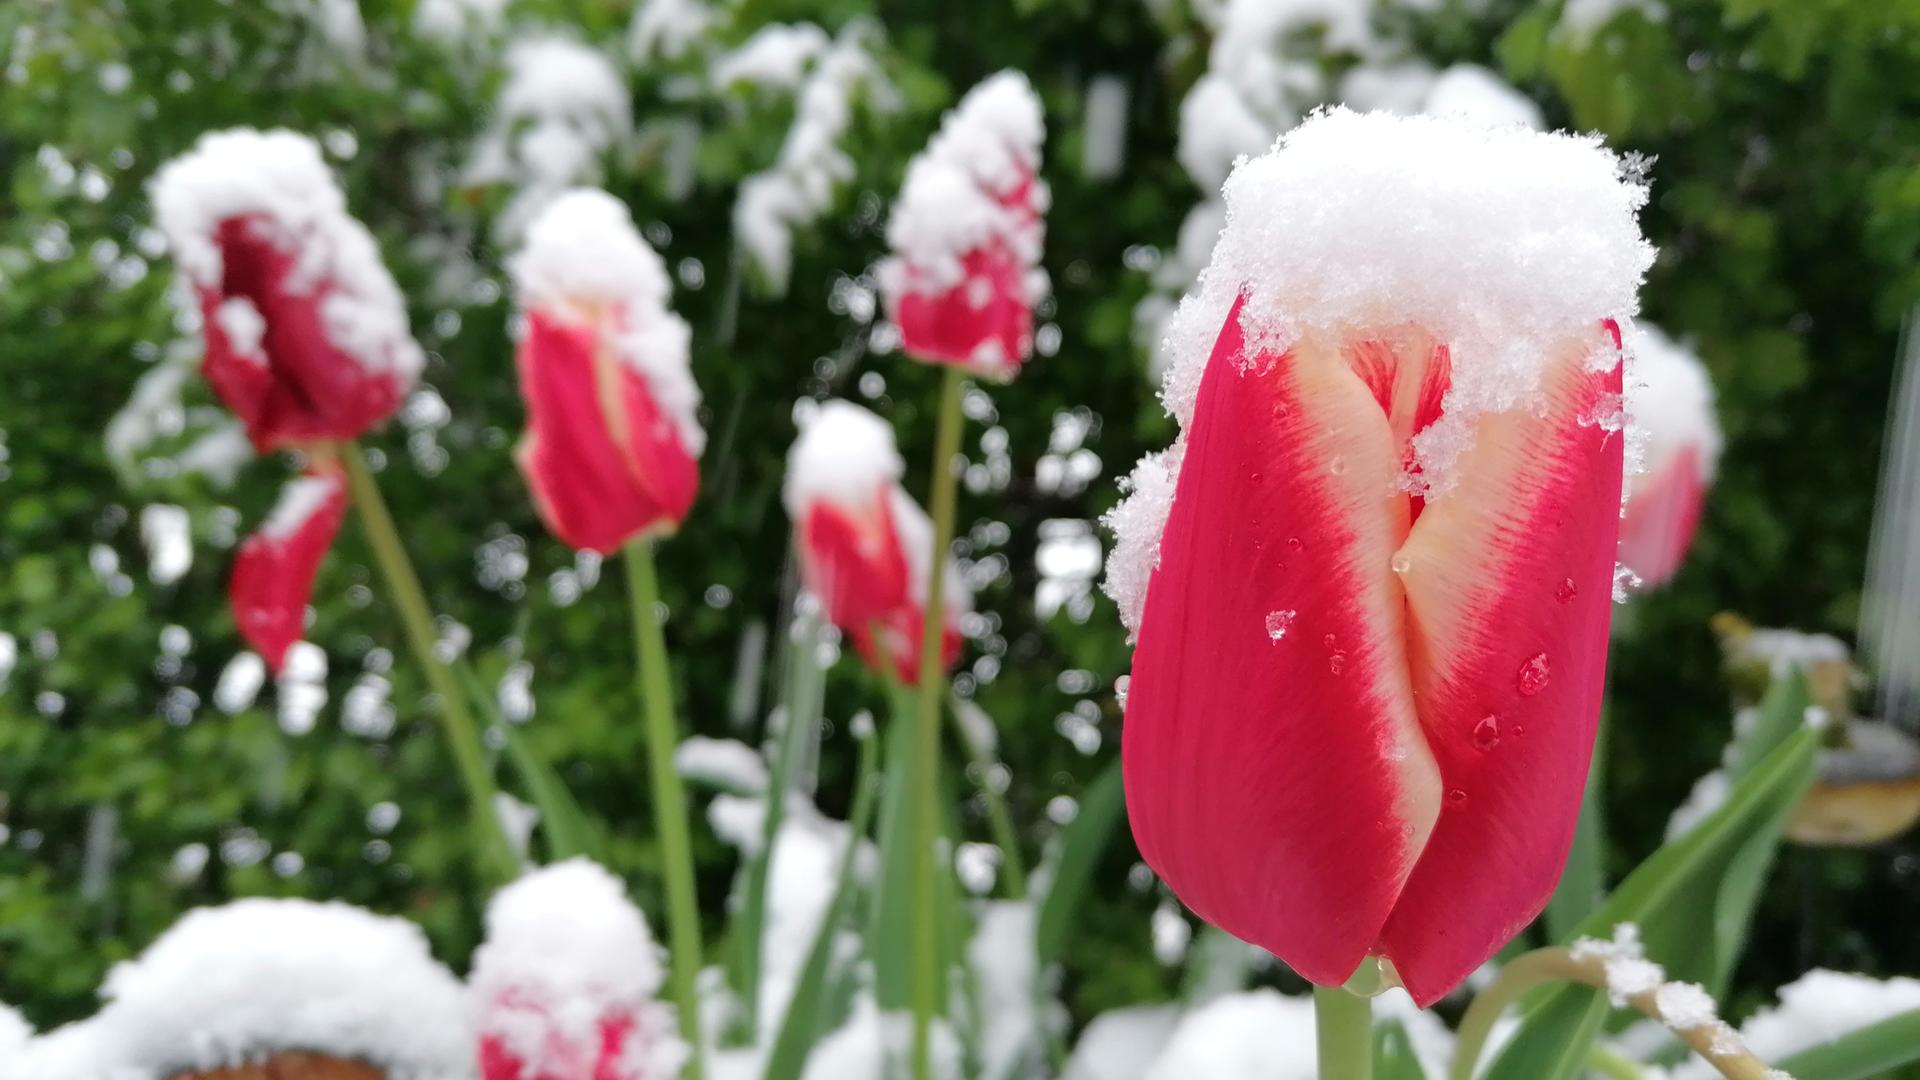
(1343, 1033)
(669, 799)
(498, 861)
(1716, 1043)
(926, 772)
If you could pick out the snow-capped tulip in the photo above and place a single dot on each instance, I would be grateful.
(864, 544)
(1370, 584)
(306, 333)
(966, 234)
(274, 570)
(613, 441)
(1671, 401)
(566, 986)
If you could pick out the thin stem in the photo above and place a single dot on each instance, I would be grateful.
(1613, 1065)
(1716, 1043)
(669, 799)
(926, 773)
(999, 818)
(416, 617)
(1343, 1033)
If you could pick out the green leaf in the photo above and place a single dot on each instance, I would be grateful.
(568, 830)
(1553, 1039)
(1081, 844)
(1872, 1051)
(890, 932)
(1393, 1057)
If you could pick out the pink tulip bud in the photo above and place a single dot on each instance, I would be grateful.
(865, 545)
(1671, 403)
(306, 333)
(613, 441)
(274, 571)
(1370, 583)
(966, 234)
(566, 985)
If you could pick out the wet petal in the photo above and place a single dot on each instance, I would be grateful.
(1508, 584)
(1660, 519)
(274, 570)
(983, 323)
(1275, 774)
(853, 562)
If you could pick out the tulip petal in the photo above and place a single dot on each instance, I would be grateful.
(1276, 776)
(274, 570)
(1508, 585)
(982, 324)
(603, 462)
(1661, 516)
(854, 562)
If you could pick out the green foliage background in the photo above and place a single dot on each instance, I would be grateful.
(1787, 208)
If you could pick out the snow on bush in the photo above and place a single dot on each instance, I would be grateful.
(563, 108)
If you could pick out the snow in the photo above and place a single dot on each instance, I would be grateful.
(1473, 92)
(563, 107)
(231, 984)
(666, 29)
(301, 687)
(915, 530)
(860, 1048)
(1121, 1044)
(1783, 650)
(1261, 1035)
(167, 532)
(450, 21)
(239, 682)
(1708, 795)
(772, 205)
(301, 498)
(14, 1033)
(1819, 1007)
(584, 262)
(1137, 523)
(565, 948)
(1002, 956)
(1217, 128)
(844, 456)
(777, 55)
(1580, 19)
(1670, 402)
(959, 193)
(1104, 151)
(724, 763)
(277, 180)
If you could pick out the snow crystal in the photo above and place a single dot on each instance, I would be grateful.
(777, 55)
(277, 182)
(1684, 1006)
(235, 983)
(167, 531)
(956, 196)
(584, 261)
(723, 763)
(563, 107)
(1819, 1007)
(565, 947)
(844, 456)
(1670, 403)
(1137, 523)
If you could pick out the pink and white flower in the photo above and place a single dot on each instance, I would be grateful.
(1671, 403)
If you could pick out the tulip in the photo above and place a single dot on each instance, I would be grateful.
(612, 440)
(1370, 583)
(1671, 401)
(966, 234)
(566, 985)
(864, 544)
(306, 340)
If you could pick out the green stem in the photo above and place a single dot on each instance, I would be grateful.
(498, 861)
(669, 799)
(999, 818)
(1612, 1065)
(1343, 1033)
(926, 773)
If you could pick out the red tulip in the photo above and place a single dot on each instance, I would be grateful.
(1671, 400)
(612, 444)
(1372, 632)
(966, 234)
(865, 546)
(274, 571)
(306, 340)
(566, 983)
(306, 334)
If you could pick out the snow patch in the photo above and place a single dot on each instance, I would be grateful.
(844, 456)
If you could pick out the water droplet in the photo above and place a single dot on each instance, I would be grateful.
(1402, 564)
(1337, 466)
(1294, 544)
(1277, 623)
(1566, 591)
(1329, 641)
(1336, 662)
(1486, 733)
(1533, 675)
(1254, 478)
(1456, 797)
(1519, 730)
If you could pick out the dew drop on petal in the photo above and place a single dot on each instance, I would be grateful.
(1566, 591)
(1337, 466)
(1486, 733)
(1294, 544)
(1254, 478)
(1533, 675)
(1456, 797)
(1336, 662)
(1277, 623)
(1402, 564)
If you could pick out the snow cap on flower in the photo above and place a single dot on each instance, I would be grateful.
(306, 332)
(244, 981)
(843, 456)
(1391, 512)
(1677, 439)
(613, 432)
(566, 985)
(966, 233)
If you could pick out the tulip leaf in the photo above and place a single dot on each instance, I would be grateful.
(1691, 900)
(568, 830)
(1081, 844)
(1393, 1056)
(1872, 1051)
(809, 1007)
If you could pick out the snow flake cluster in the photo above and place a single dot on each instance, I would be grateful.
(584, 262)
(277, 186)
(563, 108)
